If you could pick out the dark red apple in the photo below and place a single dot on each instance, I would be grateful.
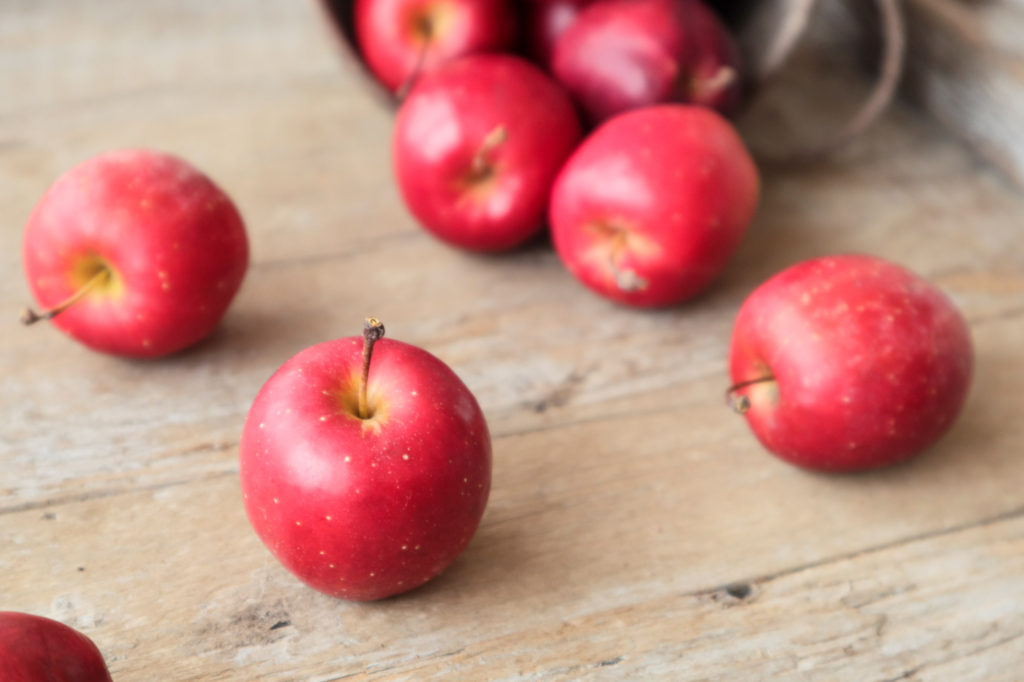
(546, 21)
(626, 54)
(651, 206)
(37, 649)
(477, 145)
(401, 39)
(365, 480)
(134, 253)
(848, 363)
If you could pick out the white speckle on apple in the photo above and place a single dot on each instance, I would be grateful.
(276, 501)
(406, 456)
(262, 425)
(298, 523)
(328, 518)
(347, 458)
(146, 343)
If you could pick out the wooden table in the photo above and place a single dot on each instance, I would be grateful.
(635, 530)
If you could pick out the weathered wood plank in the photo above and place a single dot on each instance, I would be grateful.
(966, 67)
(625, 492)
(649, 590)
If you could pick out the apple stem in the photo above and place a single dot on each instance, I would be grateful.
(373, 331)
(705, 89)
(739, 403)
(403, 90)
(29, 316)
(626, 279)
(480, 166)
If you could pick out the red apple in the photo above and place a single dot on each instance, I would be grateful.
(37, 649)
(848, 363)
(477, 145)
(365, 480)
(546, 21)
(651, 206)
(402, 38)
(625, 54)
(134, 253)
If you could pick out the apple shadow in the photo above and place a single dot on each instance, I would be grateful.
(244, 331)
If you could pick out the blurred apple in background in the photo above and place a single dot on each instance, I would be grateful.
(624, 54)
(477, 145)
(546, 21)
(401, 39)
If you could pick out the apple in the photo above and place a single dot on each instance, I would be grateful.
(477, 145)
(134, 253)
(653, 203)
(38, 649)
(365, 480)
(848, 363)
(400, 39)
(626, 54)
(546, 21)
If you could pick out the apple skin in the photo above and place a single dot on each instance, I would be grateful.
(365, 509)
(38, 649)
(620, 55)
(653, 203)
(545, 22)
(391, 37)
(174, 242)
(444, 127)
(871, 363)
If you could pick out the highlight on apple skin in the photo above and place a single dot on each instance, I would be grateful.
(135, 253)
(850, 362)
(365, 466)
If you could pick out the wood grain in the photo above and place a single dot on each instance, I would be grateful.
(966, 67)
(635, 530)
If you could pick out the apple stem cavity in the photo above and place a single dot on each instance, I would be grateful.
(373, 331)
(481, 166)
(30, 316)
(739, 402)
